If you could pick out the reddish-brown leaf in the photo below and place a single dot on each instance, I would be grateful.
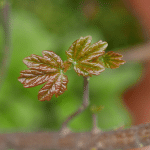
(45, 69)
(112, 60)
(31, 78)
(53, 58)
(49, 63)
(56, 84)
(85, 57)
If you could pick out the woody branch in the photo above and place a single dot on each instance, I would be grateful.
(134, 137)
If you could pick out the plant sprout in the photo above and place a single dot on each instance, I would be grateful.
(86, 59)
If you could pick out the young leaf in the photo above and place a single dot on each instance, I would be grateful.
(83, 56)
(96, 109)
(49, 63)
(45, 69)
(86, 68)
(112, 60)
(31, 78)
(56, 84)
(94, 51)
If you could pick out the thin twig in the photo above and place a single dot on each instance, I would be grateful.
(95, 129)
(82, 107)
(5, 12)
(94, 120)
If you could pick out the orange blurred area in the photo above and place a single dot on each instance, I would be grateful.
(137, 98)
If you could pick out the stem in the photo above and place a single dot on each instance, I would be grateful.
(5, 12)
(83, 106)
(95, 129)
(86, 92)
(94, 121)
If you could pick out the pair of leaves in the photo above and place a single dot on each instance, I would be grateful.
(50, 67)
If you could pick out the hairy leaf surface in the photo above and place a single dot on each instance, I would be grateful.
(83, 56)
(112, 60)
(45, 69)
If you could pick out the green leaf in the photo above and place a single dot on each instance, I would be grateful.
(85, 68)
(77, 47)
(84, 57)
(45, 69)
(94, 51)
(112, 60)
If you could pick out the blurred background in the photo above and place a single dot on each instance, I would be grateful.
(37, 25)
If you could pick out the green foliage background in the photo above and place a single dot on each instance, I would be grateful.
(54, 25)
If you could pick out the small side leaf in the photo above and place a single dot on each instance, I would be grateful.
(112, 60)
(67, 65)
(96, 109)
